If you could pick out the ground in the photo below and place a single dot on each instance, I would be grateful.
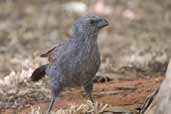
(135, 49)
(123, 93)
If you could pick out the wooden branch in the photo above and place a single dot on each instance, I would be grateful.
(162, 102)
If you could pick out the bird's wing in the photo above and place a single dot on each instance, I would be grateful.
(49, 51)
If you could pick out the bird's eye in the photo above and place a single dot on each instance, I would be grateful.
(92, 22)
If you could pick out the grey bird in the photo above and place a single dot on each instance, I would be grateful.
(75, 62)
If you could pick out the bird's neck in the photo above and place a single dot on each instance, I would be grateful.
(85, 37)
(86, 42)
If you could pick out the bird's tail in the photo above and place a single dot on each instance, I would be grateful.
(39, 73)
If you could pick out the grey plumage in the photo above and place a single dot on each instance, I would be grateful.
(76, 62)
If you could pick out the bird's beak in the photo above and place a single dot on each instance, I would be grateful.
(102, 23)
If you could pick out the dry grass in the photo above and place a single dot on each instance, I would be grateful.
(87, 108)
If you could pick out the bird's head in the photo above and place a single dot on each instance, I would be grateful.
(89, 24)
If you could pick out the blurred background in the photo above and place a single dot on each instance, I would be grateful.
(136, 45)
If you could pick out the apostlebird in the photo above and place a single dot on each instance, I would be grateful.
(75, 62)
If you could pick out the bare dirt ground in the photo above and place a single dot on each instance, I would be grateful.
(135, 49)
(124, 93)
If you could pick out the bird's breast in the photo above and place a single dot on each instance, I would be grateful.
(81, 66)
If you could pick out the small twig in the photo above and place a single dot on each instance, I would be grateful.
(148, 101)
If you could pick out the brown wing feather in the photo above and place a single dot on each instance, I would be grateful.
(48, 52)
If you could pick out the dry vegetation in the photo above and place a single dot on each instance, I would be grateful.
(136, 44)
(85, 108)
